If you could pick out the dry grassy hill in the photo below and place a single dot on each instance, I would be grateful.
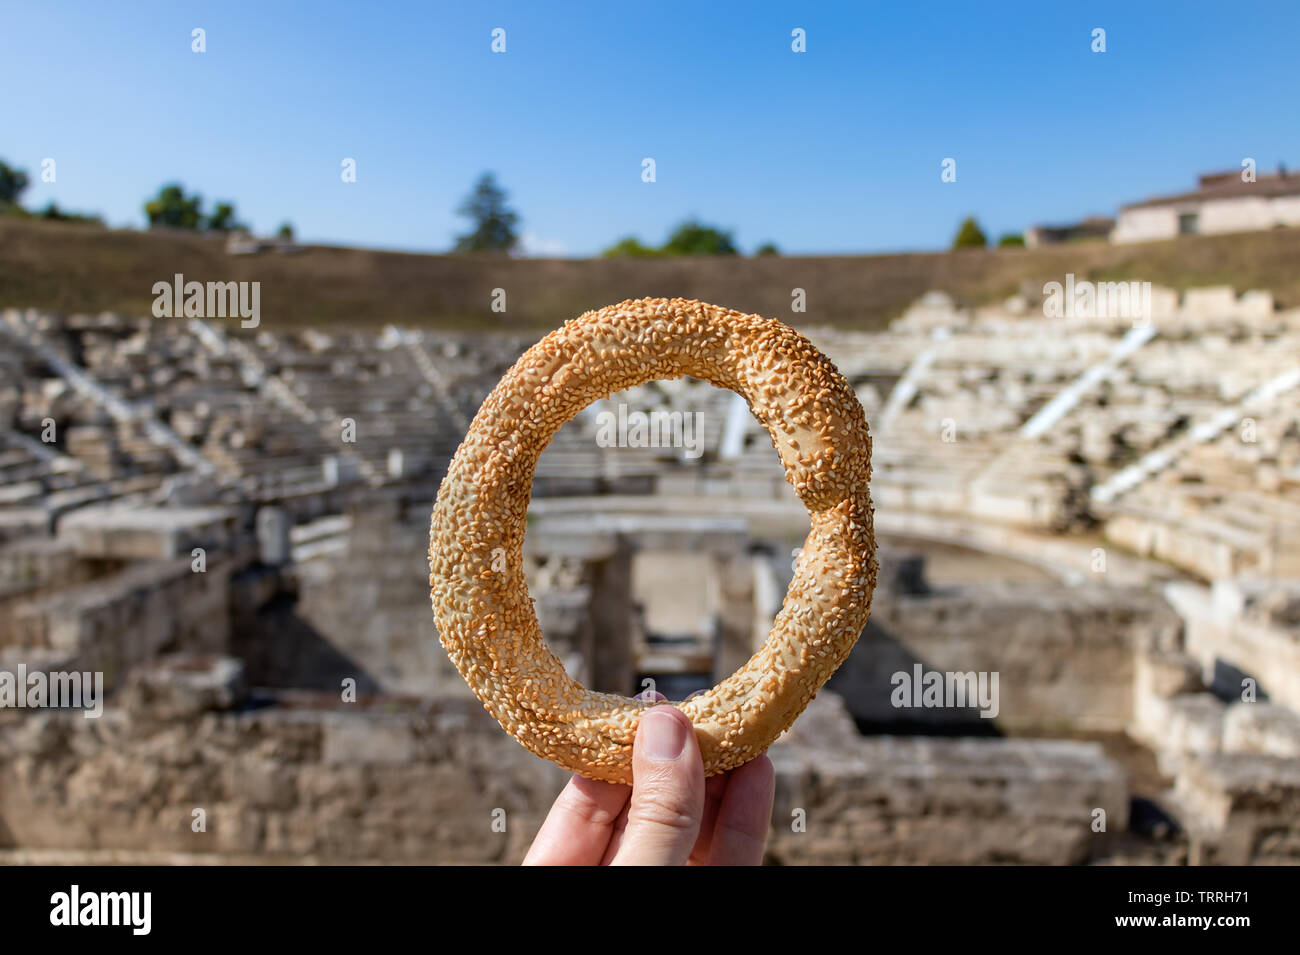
(87, 269)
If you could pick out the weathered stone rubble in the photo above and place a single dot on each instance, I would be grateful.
(200, 529)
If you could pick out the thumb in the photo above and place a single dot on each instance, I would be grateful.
(663, 817)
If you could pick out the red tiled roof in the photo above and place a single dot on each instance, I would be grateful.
(1229, 187)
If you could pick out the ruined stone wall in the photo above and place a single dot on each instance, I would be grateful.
(38, 567)
(114, 622)
(1235, 764)
(370, 604)
(307, 778)
(1263, 650)
(364, 611)
(1242, 808)
(1064, 656)
(313, 779)
(894, 800)
(279, 784)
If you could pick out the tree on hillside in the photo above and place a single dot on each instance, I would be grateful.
(286, 231)
(1011, 240)
(970, 236)
(12, 184)
(53, 213)
(695, 238)
(689, 238)
(767, 248)
(223, 219)
(629, 248)
(173, 209)
(494, 222)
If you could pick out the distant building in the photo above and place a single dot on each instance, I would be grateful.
(1093, 227)
(1222, 202)
(241, 243)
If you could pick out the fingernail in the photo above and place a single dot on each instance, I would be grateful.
(662, 735)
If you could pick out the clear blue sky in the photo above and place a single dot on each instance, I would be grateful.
(836, 150)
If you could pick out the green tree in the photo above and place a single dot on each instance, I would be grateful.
(286, 231)
(629, 248)
(1011, 240)
(970, 236)
(494, 222)
(223, 219)
(55, 214)
(767, 248)
(695, 238)
(13, 182)
(173, 209)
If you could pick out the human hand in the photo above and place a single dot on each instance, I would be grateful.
(670, 815)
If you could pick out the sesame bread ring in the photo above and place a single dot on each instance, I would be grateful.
(484, 615)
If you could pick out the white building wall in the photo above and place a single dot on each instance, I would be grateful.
(1245, 214)
(1146, 224)
(1214, 217)
(1286, 211)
